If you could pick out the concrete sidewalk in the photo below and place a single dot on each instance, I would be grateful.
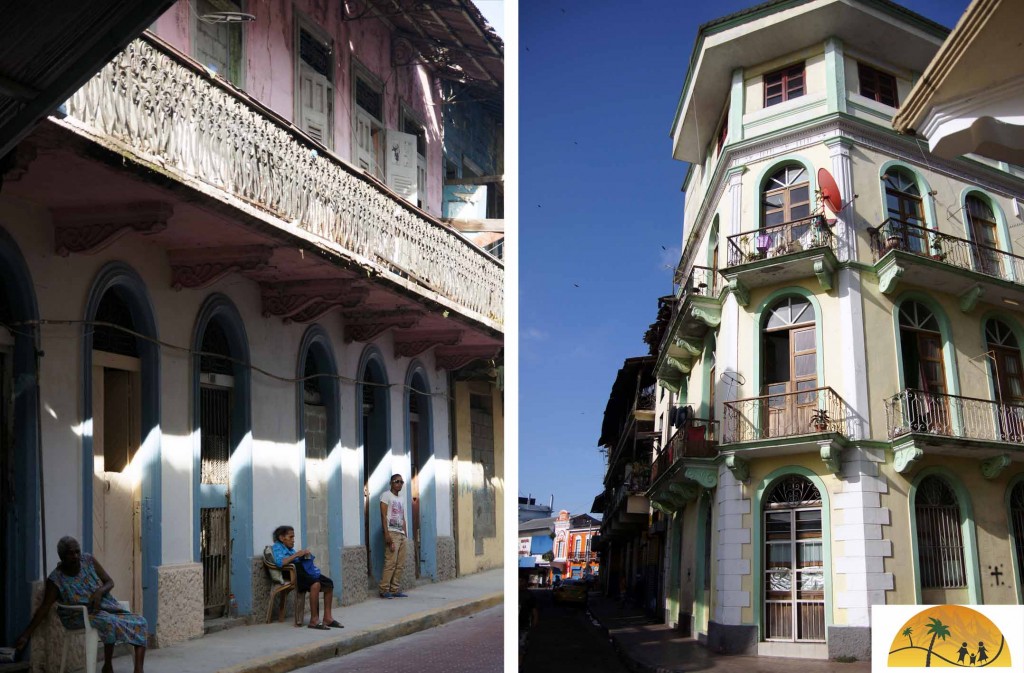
(280, 647)
(650, 647)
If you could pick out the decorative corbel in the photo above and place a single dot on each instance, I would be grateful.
(457, 357)
(198, 267)
(670, 386)
(682, 365)
(889, 277)
(686, 492)
(410, 343)
(709, 315)
(89, 230)
(823, 270)
(831, 454)
(994, 466)
(664, 509)
(739, 467)
(740, 291)
(690, 345)
(304, 301)
(969, 299)
(705, 476)
(904, 457)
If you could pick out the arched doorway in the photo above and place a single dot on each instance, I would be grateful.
(422, 481)
(374, 423)
(794, 572)
(222, 425)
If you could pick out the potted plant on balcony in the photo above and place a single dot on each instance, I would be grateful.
(820, 420)
(937, 252)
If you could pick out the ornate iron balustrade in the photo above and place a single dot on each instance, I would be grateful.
(166, 112)
(781, 239)
(702, 282)
(582, 557)
(697, 438)
(790, 414)
(917, 411)
(893, 234)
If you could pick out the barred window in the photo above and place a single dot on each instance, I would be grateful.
(940, 545)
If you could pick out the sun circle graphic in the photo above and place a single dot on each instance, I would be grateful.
(949, 636)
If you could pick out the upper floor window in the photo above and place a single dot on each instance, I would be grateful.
(315, 91)
(783, 85)
(877, 85)
(412, 126)
(369, 124)
(218, 43)
(903, 197)
(723, 132)
(921, 341)
(982, 220)
(786, 196)
(1007, 367)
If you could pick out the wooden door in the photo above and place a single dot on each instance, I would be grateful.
(214, 496)
(1009, 392)
(788, 403)
(316, 104)
(987, 258)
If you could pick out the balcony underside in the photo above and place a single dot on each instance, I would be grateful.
(827, 445)
(817, 262)
(898, 267)
(685, 339)
(682, 483)
(992, 456)
(98, 194)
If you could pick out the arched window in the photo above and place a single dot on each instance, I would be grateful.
(786, 197)
(789, 347)
(924, 371)
(794, 579)
(577, 543)
(904, 210)
(940, 544)
(1017, 523)
(982, 221)
(1008, 375)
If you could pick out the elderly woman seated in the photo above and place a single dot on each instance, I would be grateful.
(80, 580)
(308, 577)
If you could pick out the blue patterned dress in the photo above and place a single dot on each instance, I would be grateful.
(113, 624)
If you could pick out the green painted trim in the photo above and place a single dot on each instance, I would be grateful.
(1001, 226)
(930, 221)
(707, 361)
(702, 607)
(759, 316)
(835, 75)
(1018, 572)
(782, 114)
(952, 371)
(712, 241)
(866, 109)
(737, 101)
(966, 529)
(1015, 327)
(826, 541)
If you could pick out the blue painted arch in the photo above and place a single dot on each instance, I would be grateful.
(24, 537)
(121, 279)
(424, 464)
(220, 308)
(374, 439)
(316, 346)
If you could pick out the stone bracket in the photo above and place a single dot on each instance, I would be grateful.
(304, 301)
(823, 270)
(685, 492)
(690, 345)
(969, 299)
(709, 315)
(365, 326)
(409, 344)
(89, 230)
(994, 466)
(889, 277)
(457, 357)
(740, 291)
(683, 365)
(199, 267)
(705, 476)
(670, 386)
(905, 456)
(831, 455)
(738, 466)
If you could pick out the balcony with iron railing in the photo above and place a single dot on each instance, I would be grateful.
(781, 253)
(816, 419)
(163, 111)
(582, 557)
(684, 465)
(696, 310)
(959, 266)
(920, 422)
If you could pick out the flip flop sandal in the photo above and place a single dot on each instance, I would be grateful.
(319, 627)
(334, 624)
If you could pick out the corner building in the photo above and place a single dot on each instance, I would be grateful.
(840, 402)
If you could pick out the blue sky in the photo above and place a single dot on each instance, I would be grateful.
(600, 212)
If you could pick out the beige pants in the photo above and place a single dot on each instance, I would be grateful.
(394, 564)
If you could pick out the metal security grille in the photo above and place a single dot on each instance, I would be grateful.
(1017, 521)
(940, 544)
(215, 551)
(214, 432)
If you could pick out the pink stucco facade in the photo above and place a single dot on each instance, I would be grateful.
(269, 70)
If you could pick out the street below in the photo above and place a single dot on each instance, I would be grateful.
(469, 645)
(567, 639)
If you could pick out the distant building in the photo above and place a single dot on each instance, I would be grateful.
(529, 509)
(573, 553)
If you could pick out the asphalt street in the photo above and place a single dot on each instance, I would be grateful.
(567, 639)
(469, 645)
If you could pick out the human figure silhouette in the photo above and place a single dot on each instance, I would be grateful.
(962, 652)
(973, 657)
(982, 654)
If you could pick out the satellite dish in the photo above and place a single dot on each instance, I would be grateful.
(830, 195)
(226, 17)
(733, 378)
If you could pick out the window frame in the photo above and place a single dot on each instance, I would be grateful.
(302, 22)
(875, 79)
(948, 546)
(361, 72)
(786, 92)
(406, 117)
(243, 45)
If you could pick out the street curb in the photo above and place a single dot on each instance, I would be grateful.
(306, 655)
(634, 665)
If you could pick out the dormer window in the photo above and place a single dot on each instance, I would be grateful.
(877, 85)
(783, 85)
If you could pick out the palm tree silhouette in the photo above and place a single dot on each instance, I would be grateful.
(938, 630)
(906, 632)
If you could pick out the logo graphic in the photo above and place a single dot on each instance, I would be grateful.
(949, 636)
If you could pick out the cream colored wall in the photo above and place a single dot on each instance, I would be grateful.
(876, 112)
(759, 120)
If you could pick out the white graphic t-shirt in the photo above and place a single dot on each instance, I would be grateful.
(396, 511)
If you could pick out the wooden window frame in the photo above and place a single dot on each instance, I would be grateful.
(196, 21)
(873, 83)
(787, 203)
(361, 72)
(302, 22)
(790, 82)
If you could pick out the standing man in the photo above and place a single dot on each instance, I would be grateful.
(392, 520)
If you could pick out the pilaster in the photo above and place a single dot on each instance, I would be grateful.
(736, 104)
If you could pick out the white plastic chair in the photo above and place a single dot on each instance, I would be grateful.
(92, 637)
